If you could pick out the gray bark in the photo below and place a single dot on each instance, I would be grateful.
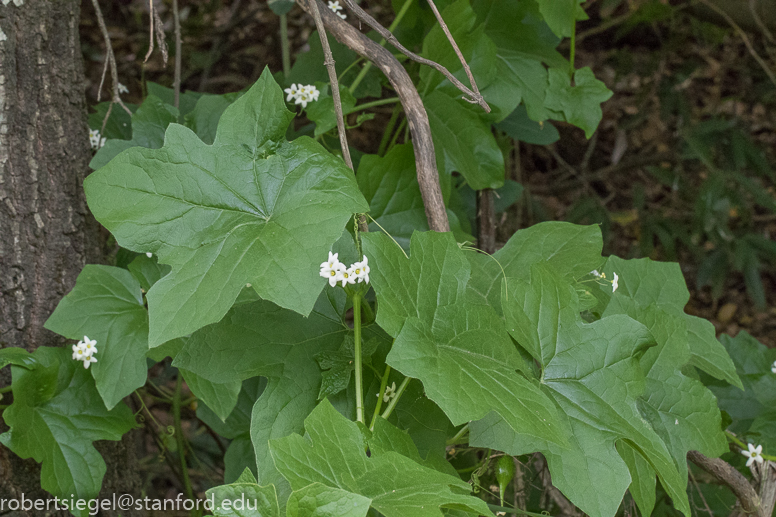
(46, 231)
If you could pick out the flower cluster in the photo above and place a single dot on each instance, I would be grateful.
(84, 351)
(336, 8)
(95, 139)
(754, 454)
(773, 368)
(302, 94)
(615, 282)
(335, 271)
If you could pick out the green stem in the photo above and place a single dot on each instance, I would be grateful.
(3, 406)
(733, 438)
(380, 395)
(573, 50)
(389, 130)
(359, 369)
(285, 46)
(391, 28)
(402, 124)
(395, 399)
(6, 389)
(176, 411)
(376, 103)
(369, 314)
(454, 440)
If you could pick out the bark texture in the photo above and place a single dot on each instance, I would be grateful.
(46, 231)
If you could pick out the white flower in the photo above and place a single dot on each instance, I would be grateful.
(596, 274)
(292, 92)
(390, 392)
(773, 368)
(78, 352)
(754, 454)
(123, 89)
(149, 254)
(335, 6)
(342, 15)
(89, 360)
(361, 270)
(313, 92)
(347, 276)
(332, 268)
(95, 140)
(614, 282)
(303, 99)
(89, 346)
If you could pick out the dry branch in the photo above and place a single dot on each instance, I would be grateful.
(425, 159)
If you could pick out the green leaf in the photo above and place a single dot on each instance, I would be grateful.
(573, 251)
(251, 208)
(149, 123)
(642, 489)
(56, 415)
(220, 396)
(187, 100)
(338, 366)
(260, 338)
(319, 500)
(333, 454)
(106, 304)
(452, 347)
(559, 15)
(520, 127)
(464, 142)
(579, 103)
(17, 357)
(280, 6)
(708, 354)
(119, 123)
(592, 373)
(244, 498)
(390, 186)
(147, 271)
(753, 362)
(322, 111)
(203, 119)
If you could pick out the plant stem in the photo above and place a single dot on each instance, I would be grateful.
(176, 411)
(458, 435)
(391, 28)
(285, 45)
(376, 103)
(395, 399)
(178, 43)
(359, 369)
(573, 49)
(6, 389)
(389, 130)
(380, 395)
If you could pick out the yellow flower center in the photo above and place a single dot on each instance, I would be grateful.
(358, 271)
(333, 273)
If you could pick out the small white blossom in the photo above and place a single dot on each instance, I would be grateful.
(291, 92)
(754, 454)
(149, 254)
(347, 276)
(614, 282)
(335, 6)
(84, 351)
(596, 274)
(123, 89)
(361, 270)
(332, 268)
(773, 368)
(390, 392)
(95, 139)
(303, 99)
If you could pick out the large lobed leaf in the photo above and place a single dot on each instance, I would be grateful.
(56, 415)
(250, 209)
(333, 454)
(461, 353)
(106, 305)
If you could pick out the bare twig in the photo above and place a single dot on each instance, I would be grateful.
(110, 58)
(700, 493)
(758, 20)
(160, 39)
(178, 44)
(383, 59)
(335, 93)
(745, 38)
(150, 30)
(475, 97)
(730, 477)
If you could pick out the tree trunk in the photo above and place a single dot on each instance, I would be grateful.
(46, 231)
